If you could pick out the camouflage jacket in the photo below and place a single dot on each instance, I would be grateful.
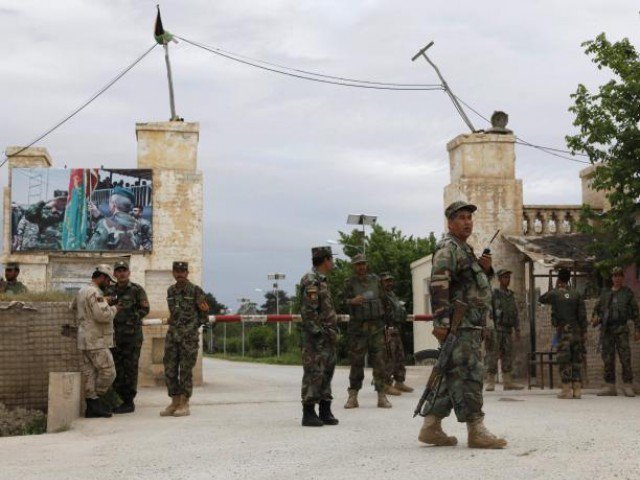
(504, 311)
(375, 305)
(617, 308)
(116, 232)
(15, 287)
(49, 222)
(135, 305)
(397, 312)
(94, 317)
(567, 309)
(316, 306)
(188, 306)
(456, 275)
(144, 234)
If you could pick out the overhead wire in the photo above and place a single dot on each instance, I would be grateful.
(311, 76)
(521, 141)
(83, 106)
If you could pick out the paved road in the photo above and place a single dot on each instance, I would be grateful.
(245, 424)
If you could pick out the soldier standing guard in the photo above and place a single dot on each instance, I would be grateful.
(189, 310)
(457, 275)
(569, 317)
(499, 343)
(318, 340)
(615, 308)
(393, 337)
(11, 284)
(366, 299)
(95, 337)
(127, 325)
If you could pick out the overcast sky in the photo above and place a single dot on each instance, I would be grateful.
(286, 160)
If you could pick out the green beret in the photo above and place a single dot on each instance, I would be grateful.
(125, 192)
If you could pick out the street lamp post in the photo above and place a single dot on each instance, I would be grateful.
(275, 277)
(243, 301)
(363, 220)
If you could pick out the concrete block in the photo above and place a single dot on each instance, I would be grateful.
(65, 400)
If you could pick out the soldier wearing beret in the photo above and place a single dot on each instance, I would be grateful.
(319, 335)
(458, 275)
(11, 284)
(499, 341)
(616, 307)
(117, 231)
(366, 300)
(188, 310)
(127, 324)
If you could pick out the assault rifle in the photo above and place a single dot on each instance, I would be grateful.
(430, 393)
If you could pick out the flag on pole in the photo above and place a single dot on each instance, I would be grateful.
(161, 35)
(76, 215)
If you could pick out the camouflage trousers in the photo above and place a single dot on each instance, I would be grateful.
(616, 338)
(126, 354)
(499, 346)
(181, 346)
(318, 365)
(395, 352)
(461, 387)
(569, 357)
(367, 337)
(98, 371)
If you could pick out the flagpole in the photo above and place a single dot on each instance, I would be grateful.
(174, 117)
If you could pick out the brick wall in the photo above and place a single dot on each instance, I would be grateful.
(31, 346)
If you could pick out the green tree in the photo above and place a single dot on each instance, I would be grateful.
(269, 306)
(608, 133)
(215, 307)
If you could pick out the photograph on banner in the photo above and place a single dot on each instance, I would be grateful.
(81, 209)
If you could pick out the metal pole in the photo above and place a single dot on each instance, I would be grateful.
(456, 104)
(174, 117)
(242, 322)
(224, 338)
(364, 239)
(532, 317)
(277, 323)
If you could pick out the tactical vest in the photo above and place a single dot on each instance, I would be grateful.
(371, 308)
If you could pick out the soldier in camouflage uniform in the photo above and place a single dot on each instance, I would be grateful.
(457, 275)
(499, 341)
(127, 325)
(366, 299)
(48, 216)
(569, 317)
(11, 284)
(143, 230)
(189, 310)
(116, 232)
(393, 337)
(318, 339)
(615, 308)
(26, 235)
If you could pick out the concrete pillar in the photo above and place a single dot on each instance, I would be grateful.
(483, 173)
(65, 400)
(597, 199)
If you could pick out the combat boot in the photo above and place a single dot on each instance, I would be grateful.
(391, 390)
(95, 409)
(403, 387)
(609, 390)
(480, 437)
(383, 402)
(491, 383)
(183, 407)
(577, 390)
(352, 401)
(309, 416)
(126, 407)
(175, 402)
(325, 413)
(627, 388)
(432, 433)
(509, 384)
(566, 392)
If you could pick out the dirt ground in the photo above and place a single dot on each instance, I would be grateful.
(245, 424)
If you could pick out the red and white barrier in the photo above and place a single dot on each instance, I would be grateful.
(272, 319)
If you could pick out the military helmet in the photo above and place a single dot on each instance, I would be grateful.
(358, 258)
(455, 207)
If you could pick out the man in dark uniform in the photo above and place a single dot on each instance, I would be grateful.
(318, 340)
(569, 317)
(189, 310)
(11, 284)
(133, 306)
